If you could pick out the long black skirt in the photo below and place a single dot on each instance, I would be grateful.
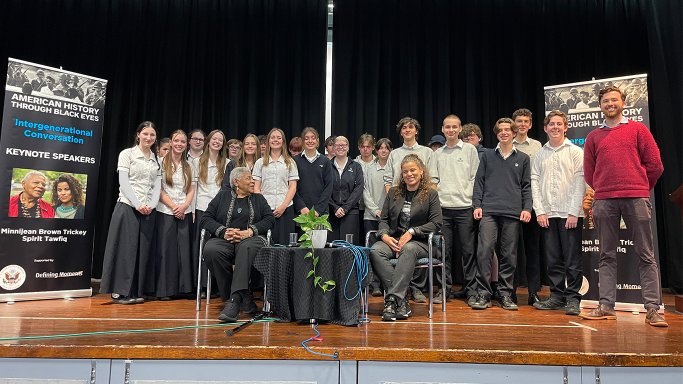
(284, 225)
(170, 268)
(127, 252)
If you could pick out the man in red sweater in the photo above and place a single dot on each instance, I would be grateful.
(622, 164)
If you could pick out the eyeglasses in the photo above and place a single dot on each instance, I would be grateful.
(234, 147)
(197, 139)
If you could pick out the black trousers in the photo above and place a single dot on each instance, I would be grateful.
(489, 228)
(347, 225)
(371, 225)
(529, 255)
(460, 223)
(563, 255)
(230, 263)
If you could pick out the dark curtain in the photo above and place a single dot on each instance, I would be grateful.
(235, 65)
(483, 59)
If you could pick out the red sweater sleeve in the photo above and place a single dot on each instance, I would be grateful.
(649, 155)
(589, 160)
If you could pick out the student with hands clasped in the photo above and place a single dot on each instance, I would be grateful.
(501, 200)
(411, 211)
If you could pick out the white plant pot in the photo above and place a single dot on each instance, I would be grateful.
(319, 238)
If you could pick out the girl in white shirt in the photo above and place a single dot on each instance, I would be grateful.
(170, 272)
(250, 152)
(131, 229)
(275, 176)
(209, 170)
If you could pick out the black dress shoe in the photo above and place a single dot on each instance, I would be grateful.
(125, 300)
(507, 303)
(461, 294)
(533, 298)
(552, 304)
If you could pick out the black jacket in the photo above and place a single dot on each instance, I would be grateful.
(347, 190)
(425, 215)
(214, 220)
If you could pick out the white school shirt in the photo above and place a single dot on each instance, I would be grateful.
(275, 178)
(176, 192)
(142, 173)
(557, 183)
(206, 192)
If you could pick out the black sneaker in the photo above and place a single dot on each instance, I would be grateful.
(389, 313)
(507, 303)
(231, 312)
(248, 305)
(377, 292)
(403, 312)
(572, 308)
(481, 302)
(552, 304)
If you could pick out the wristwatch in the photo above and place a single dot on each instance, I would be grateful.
(411, 230)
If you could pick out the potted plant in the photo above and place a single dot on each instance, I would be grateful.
(315, 235)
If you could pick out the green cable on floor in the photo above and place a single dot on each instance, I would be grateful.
(151, 330)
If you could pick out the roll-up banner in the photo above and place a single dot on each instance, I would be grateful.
(581, 104)
(49, 160)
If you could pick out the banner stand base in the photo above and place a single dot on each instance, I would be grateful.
(45, 295)
(619, 306)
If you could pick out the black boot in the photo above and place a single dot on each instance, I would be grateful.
(231, 312)
(248, 306)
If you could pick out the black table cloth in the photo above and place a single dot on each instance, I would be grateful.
(292, 296)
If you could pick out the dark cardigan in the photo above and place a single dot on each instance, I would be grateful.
(215, 219)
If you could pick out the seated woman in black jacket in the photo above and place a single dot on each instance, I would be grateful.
(411, 211)
(239, 220)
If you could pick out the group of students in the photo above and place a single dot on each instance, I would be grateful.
(152, 246)
(404, 193)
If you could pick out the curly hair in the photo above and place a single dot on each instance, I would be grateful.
(425, 182)
(74, 186)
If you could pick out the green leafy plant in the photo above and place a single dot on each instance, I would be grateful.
(310, 222)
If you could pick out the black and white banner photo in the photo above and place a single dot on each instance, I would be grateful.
(581, 103)
(49, 161)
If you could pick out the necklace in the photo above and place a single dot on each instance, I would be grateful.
(64, 209)
(29, 212)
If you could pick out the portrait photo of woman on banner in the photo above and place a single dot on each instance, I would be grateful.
(47, 194)
(67, 197)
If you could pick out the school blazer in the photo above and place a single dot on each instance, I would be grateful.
(425, 215)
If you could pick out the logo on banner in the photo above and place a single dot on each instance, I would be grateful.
(12, 277)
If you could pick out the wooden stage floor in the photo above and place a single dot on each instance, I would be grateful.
(95, 328)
